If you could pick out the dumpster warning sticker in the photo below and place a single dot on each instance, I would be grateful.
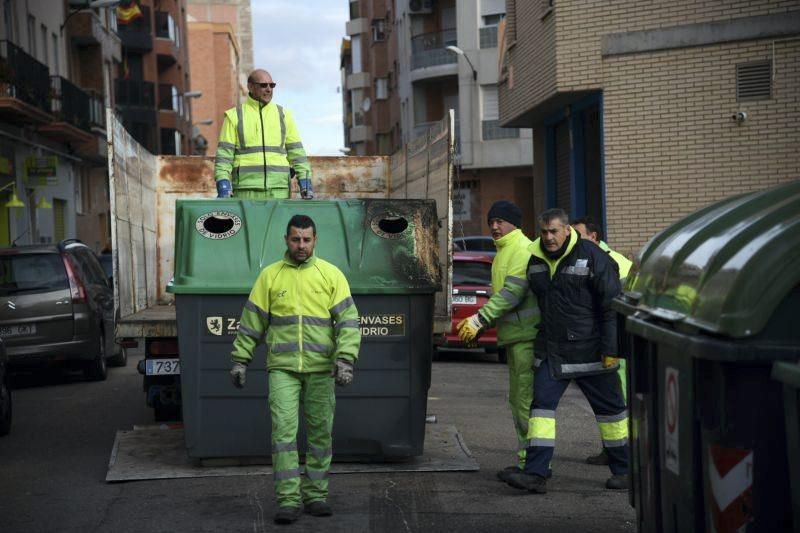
(730, 481)
(393, 325)
(222, 325)
(671, 426)
(218, 225)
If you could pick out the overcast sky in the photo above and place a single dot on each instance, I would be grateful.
(298, 43)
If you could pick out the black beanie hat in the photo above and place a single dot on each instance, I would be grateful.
(507, 211)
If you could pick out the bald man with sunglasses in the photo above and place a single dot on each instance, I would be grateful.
(259, 148)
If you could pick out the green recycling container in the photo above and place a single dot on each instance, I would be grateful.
(387, 250)
(789, 375)
(711, 303)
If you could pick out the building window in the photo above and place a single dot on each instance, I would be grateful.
(378, 30)
(32, 35)
(45, 54)
(353, 10)
(8, 18)
(381, 88)
(489, 101)
(493, 20)
(56, 58)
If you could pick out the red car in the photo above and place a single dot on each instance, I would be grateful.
(472, 287)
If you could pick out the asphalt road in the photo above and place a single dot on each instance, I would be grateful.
(53, 465)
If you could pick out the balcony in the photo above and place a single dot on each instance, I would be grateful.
(96, 148)
(87, 29)
(360, 134)
(133, 93)
(428, 49)
(491, 131)
(24, 87)
(137, 35)
(168, 40)
(70, 105)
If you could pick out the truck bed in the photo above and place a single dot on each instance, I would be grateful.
(155, 321)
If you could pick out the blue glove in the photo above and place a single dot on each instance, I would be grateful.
(224, 189)
(306, 191)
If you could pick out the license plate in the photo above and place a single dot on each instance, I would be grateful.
(18, 331)
(464, 299)
(162, 367)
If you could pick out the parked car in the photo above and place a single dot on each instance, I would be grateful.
(56, 305)
(472, 287)
(476, 243)
(5, 393)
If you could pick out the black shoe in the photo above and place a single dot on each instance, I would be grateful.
(601, 459)
(318, 508)
(529, 482)
(502, 475)
(618, 482)
(287, 515)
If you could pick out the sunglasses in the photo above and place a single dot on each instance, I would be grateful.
(271, 85)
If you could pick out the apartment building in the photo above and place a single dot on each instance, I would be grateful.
(642, 114)
(417, 59)
(370, 66)
(56, 65)
(152, 85)
(221, 58)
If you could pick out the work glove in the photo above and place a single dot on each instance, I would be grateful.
(224, 188)
(238, 374)
(470, 329)
(609, 361)
(306, 190)
(342, 372)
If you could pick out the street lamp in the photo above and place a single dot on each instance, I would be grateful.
(459, 51)
(193, 94)
(14, 201)
(204, 122)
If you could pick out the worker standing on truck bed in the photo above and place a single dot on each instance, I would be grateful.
(302, 309)
(259, 147)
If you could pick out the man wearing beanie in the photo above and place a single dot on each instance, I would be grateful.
(514, 311)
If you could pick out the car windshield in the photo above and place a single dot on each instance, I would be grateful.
(26, 273)
(472, 273)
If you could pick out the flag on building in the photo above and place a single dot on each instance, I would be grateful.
(128, 11)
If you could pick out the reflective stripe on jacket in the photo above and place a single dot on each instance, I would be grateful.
(306, 314)
(512, 307)
(257, 146)
(574, 292)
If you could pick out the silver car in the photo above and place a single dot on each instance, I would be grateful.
(56, 304)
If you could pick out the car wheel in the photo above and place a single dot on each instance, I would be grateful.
(98, 368)
(121, 359)
(501, 356)
(5, 408)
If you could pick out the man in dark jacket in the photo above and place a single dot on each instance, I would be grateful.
(574, 282)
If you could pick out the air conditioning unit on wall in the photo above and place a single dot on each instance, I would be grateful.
(420, 7)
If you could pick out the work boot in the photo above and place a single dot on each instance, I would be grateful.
(601, 459)
(318, 508)
(502, 475)
(529, 482)
(618, 482)
(287, 515)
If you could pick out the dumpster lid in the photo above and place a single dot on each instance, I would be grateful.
(724, 268)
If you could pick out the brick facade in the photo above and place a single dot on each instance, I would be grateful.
(670, 144)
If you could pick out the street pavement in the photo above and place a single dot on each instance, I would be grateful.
(53, 465)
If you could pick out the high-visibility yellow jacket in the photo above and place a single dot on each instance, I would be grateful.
(306, 313)
(512, 306)
(623, 262)
(258, 143)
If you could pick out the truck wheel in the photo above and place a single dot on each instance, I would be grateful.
(167, 413)
(501, 356)
(120, 359)
(97, 370)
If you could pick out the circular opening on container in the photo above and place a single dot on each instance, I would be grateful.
(218, 224)
(393, 225)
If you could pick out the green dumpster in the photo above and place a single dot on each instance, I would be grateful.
(711, 303)
(387, 249)
(789, 375)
